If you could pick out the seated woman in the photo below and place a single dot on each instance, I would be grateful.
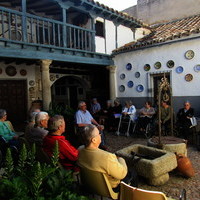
(145, 115)
(6, 129)
(129, 110)
(184, 117)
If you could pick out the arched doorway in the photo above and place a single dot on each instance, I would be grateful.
(68, 90)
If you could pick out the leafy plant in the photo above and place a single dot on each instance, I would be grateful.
(32, 180)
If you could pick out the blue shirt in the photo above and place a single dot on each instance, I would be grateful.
(83, 117)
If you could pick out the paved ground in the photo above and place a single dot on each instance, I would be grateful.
(176, 182)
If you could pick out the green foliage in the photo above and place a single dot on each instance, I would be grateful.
(64, 110)
(32, 180)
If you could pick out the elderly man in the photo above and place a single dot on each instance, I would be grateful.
(84, 118)
(37, 133)
(93, 158)
(68, 154)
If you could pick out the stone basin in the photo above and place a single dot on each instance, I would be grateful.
(154, 165)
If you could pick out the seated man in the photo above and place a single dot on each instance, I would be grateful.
(84, 118)
(68, 154)
(6, 130)
(93, 158)
(184, 117)
(37, 133)
(95, 109)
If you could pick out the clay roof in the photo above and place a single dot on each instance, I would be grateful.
(161, 33)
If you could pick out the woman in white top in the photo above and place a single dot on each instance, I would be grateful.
(129, 110)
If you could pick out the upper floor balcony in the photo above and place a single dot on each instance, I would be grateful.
(30, 36)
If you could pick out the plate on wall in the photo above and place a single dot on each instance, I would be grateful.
(179, 69)
(189, 54)
(137, 74)
(121, 88)
(140, 88)
(11, 71)
(129, 66)
(170, 63)
(147, 67)
(188, 77)
(122, 76)
(23, 72)
(130, 84)
(157, 65)
(197, 68)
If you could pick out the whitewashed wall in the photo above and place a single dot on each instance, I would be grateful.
(164, 53)
(108, 44)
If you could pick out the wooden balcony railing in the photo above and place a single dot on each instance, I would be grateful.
(42, 31)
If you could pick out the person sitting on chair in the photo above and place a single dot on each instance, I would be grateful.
(129, 110)
(37, 133)
(145, 115)
(6, 129)
(93, 158)
(95, 109)
(84, 118)
(184, 117)
(68, 154)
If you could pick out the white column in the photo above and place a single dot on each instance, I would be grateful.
(46, 88)
(112, 70)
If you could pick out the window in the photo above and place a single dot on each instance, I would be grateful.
(99, 26)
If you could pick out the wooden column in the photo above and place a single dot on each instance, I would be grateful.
(112, 70)
(24, 25)
(46, 88)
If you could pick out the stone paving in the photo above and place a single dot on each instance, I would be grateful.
(176, 182)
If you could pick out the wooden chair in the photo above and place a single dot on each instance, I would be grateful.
(128, 192)
(97, 183)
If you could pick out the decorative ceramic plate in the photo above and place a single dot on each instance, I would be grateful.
(189, 54)
(140, 88)
(137, 74)
(122, 76)
(11, 71)
(31, 82)
(147, 67)
(130, 84)
(179, 69)
(197, 68)
(23, 72)
(121, 88)
(52, 77)
(157, 65)
(170, 63)
(31, 89)
(188, 77)
(129, 66)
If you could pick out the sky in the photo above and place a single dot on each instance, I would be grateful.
(118, 4)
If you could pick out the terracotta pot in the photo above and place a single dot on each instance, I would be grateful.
(184, 165)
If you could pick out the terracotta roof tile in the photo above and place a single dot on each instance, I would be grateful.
(164, 32)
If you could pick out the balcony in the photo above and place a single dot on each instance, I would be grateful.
(49, 37)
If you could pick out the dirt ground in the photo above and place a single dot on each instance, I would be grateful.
(176, 182)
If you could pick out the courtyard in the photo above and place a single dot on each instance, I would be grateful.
(176, 181)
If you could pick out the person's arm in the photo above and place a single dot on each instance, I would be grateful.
(67, 150)
(132, 110)
(168, 115)
(116, 167)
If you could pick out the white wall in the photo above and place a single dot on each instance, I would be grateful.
(175, 52)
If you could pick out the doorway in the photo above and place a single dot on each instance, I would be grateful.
(13, 98)
(156, 81)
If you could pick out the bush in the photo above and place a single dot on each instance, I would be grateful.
(30, 179)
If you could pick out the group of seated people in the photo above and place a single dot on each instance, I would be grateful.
(44, 131)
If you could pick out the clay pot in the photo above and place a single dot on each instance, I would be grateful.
(184, 165)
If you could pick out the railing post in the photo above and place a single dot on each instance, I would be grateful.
(64, 27)
(93, 48)
(24, 25)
